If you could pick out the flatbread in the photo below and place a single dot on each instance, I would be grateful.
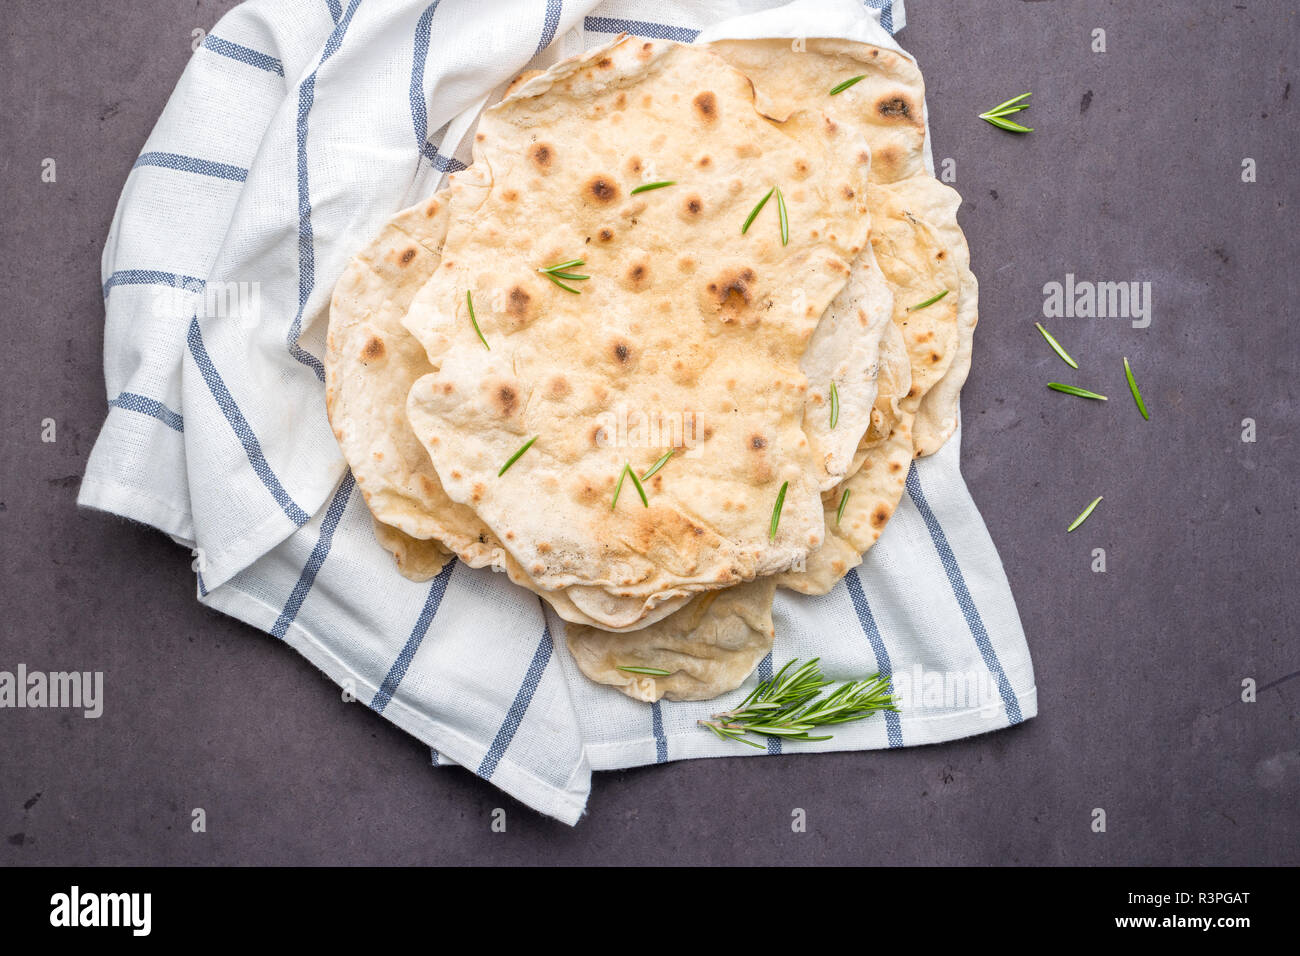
(714, 331)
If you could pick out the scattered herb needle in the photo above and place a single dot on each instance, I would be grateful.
(998, 115)
(835, 404)
(652, 671)
(618, 488)
(515, 457)
(1075, 390)
(1056, 346)
(636, 483)
(757, 209)
(928, 302)
(786, 705)
(841, 87)
(469, 300)
(843, 501)
(1133, 387)
(1083, 517)
(785, 220)
(654, 469)
(776, 511)
(560, 271)
(646, 187)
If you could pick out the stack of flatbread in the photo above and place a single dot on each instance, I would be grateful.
(654, 406)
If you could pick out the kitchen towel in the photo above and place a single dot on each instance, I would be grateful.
(297, 129)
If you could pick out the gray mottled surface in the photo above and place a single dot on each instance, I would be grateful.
(1133, 173)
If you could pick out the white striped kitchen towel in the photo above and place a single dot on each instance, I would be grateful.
(298, 127)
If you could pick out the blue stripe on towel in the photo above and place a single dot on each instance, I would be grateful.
(336, 10)
(132, 402)
(524, 696)
(317, 557)
(419, 108)
(192, 164)
(640, 28)
(886, 8)
(306, 248)
(554, 9)
(237, 51)
(964, 599)
(893, 725)
(152, 277)
(657, 728)
(395, 673)
(765, 673)
(243, 431)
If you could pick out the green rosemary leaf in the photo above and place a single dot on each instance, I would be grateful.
(646, 187)
(1001, 107)
(563, 265)
(1083, 517)
(785, 220)
(566, 288)
(469, 300)
(928, 302)
(515, 457)
(1075, 390)
(1056, 346)
(1133, 387)
(841, 87)
(835, 404)
(636, 483)
(757, 209)
(654, 469)
(652, 671)
(617, 488)
(776, 511)
(1011, 126)
(572, 276)
(844, 500)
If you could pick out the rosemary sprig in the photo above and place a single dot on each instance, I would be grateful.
(654, 469)
(998, 115)
(786, 705)
(469, 300)
(844, 500)
(1133, 387)
(928, 302)
(646, 187)
(1056, 346)
(560, 271)
(515, 457)
(835, 404)
(1083, 517)
(1075, 390)
(757, 209)
(652, 671)
(776, 511)
(636, 483)
(785, 220)
(841, 87)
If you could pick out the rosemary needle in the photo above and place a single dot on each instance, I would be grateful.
(1133, 387)
(841, 87)
(1083, 517)
(1056, 346)
(469, 300)
(843, 501)
(757, 209)
(515, 457)
(1075, 390)
(776, 511)
(652, 671)
(646, 187)
(928, 302)
(835, 404)
(636, 483)
(617, 488)
(785, 220)
(654, 469)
